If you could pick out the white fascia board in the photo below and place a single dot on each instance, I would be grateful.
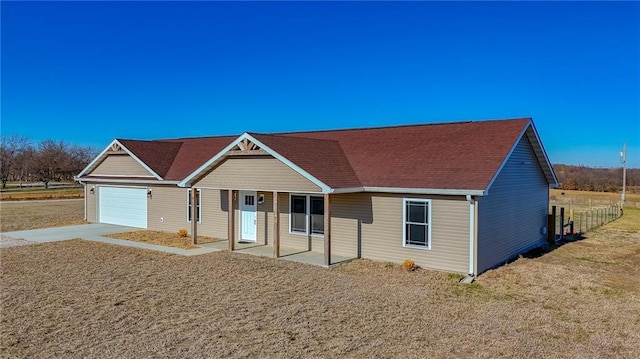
(103, 154)
(435, 191)
(293, 166)
(124, 180)
(205, 166)
(261, 190)
(546, 157)
(504, 161)
(449, 192)
(96, 159)
(347, 190)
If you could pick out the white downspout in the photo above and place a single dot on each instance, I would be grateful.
(472, 216)
(84, 198)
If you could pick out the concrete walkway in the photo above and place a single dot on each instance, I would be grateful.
(96, 232)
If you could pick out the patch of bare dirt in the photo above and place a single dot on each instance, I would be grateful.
(162, 239)
(8, 242)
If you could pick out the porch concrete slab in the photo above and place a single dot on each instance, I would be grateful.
(290, 254)
(96, 232)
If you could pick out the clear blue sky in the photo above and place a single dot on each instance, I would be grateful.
(88, 72)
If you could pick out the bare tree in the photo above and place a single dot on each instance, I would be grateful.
(11, 149)
(49, 161)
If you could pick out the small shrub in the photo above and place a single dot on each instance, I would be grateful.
(182, 233)
(388, 265)
(409, 265)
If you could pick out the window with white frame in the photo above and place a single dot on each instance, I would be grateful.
(198, 205)
(306, 214)
(417, 223)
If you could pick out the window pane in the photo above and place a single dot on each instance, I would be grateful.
(298, 204)
(416, 234)
(198, 201)
(188, 205)
(299, 222)
(417, 212)
(317, 224)
(317, 205)
(249, 200)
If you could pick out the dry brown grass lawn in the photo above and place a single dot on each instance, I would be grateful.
(80, 299)
(582, 199)
(16, 216)
(162, 238)
(40, 194)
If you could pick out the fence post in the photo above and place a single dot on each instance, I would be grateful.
(561, 223)
(551, 226)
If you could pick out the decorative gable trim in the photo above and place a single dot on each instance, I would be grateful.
(246, 147)
(249, 145)
(115, 147)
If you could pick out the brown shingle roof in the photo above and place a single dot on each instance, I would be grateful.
(195, 152)
(157, 155)
(461, 155)
(324, 159)
(174, 159)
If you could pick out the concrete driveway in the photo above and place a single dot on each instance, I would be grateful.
(90, 232)
(55, 234)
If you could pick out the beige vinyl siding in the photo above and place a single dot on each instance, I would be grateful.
(120, 165)
(90, 203)
(511, 216)
(265, 219)
(215, 220)
(382, 231)
(348, 212)
(256, 173)
(167, 209)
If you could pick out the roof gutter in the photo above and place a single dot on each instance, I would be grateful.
(435, 191)
(123, 180)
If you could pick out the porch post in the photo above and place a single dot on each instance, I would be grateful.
(231, 222)
(194, 215)
(276, 226)
(327, 230)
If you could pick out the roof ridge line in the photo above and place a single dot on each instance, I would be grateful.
(401, 126)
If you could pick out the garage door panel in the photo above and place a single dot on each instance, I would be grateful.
(125, 206)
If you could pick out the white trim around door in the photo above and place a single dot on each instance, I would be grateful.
(248, 216)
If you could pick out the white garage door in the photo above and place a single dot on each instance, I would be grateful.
(123, 205)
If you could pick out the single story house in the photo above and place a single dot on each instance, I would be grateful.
(460, 197)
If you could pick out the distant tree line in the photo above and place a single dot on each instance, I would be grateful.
(584, 178)
(49, 160)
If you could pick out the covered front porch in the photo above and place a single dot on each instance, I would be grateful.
(264, 223)
(272, 206)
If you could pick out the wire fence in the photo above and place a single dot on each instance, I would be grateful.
(579, 222)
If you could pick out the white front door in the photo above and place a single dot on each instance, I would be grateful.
(248, 216)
